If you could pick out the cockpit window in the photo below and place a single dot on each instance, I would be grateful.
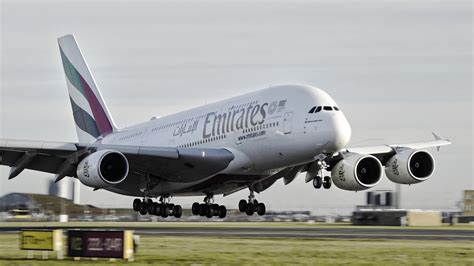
(327, 108)
(317, 109)
(335, 108)
(312, 110)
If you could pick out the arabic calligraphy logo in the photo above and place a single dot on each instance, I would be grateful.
(341, 173)
(85, 169)
(395, 167)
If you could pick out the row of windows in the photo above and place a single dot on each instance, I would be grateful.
(264, 126)
(316, 109)
(176, 123)
(131, 136)
(245, 105)
(199, 142)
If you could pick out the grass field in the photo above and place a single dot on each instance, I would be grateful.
(220, 250)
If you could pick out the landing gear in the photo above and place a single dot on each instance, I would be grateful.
(252, 205)
(327, 182)
(162, 208)
(317, 182)
(324, 182)
(315, 173)
(208, 208)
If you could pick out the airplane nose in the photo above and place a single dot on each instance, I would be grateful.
(341, 132)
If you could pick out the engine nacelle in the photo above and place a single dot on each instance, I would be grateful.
(102, 169)
(409, 166)
(356, 172)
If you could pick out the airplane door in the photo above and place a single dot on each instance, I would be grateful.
(287, 122)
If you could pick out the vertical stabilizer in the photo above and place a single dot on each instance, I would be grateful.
(91, 116)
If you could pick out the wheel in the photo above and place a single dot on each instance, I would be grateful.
(157, 209)
(206, 210)
(151, 208)
(195, 208)
(242, 205)
(317, 182)
(202, 209)
(177, 211)
(222, 211)
(261, 209)
(136, 204)
(250, 210)
(165, 211)
(143, 208)
(327, 182)
(215, 209)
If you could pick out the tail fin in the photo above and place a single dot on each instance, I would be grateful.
(91, 115)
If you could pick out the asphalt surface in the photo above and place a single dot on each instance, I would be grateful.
(291, 232)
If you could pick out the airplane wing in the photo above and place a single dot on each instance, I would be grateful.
(382, 152)
(61, 158)
(437, 142)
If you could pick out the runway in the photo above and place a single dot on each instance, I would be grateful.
(343, 232)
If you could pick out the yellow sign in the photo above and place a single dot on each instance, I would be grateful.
(41, 240)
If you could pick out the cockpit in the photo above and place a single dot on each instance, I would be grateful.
(316, 109)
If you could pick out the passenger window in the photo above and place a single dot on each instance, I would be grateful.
(318, 109)
(335, 108)
(312, 110)
(327, 108)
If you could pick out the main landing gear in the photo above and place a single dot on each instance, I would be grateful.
(208, 208)
(164, 208)
(252, 205)
(324, 182)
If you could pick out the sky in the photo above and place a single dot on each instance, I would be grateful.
(398, 69)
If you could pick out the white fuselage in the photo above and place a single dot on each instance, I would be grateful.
(267, 130)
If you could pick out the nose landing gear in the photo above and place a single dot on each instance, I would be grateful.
(317, 170)
(324, 182)
(252, 205)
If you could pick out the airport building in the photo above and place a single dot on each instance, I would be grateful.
(468, 203)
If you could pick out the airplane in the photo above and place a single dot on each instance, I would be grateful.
(245, 142)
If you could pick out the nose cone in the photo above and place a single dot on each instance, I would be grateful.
(341, 132)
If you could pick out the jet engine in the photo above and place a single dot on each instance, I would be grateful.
(409, 166)
(102, 169)
(356, 172)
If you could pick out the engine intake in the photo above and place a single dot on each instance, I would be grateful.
(103, 168)
(356, 172)
(409, 166)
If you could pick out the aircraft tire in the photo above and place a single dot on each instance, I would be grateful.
(317, 182)
(250, 210)
(165, 211)
(243, 205)
(222, 211)
(177, 211)
(143, 208)
(136, 204)
(327, 182)
(195, 208)
(261, 209)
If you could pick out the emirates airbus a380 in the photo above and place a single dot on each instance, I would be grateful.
(245, 142)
